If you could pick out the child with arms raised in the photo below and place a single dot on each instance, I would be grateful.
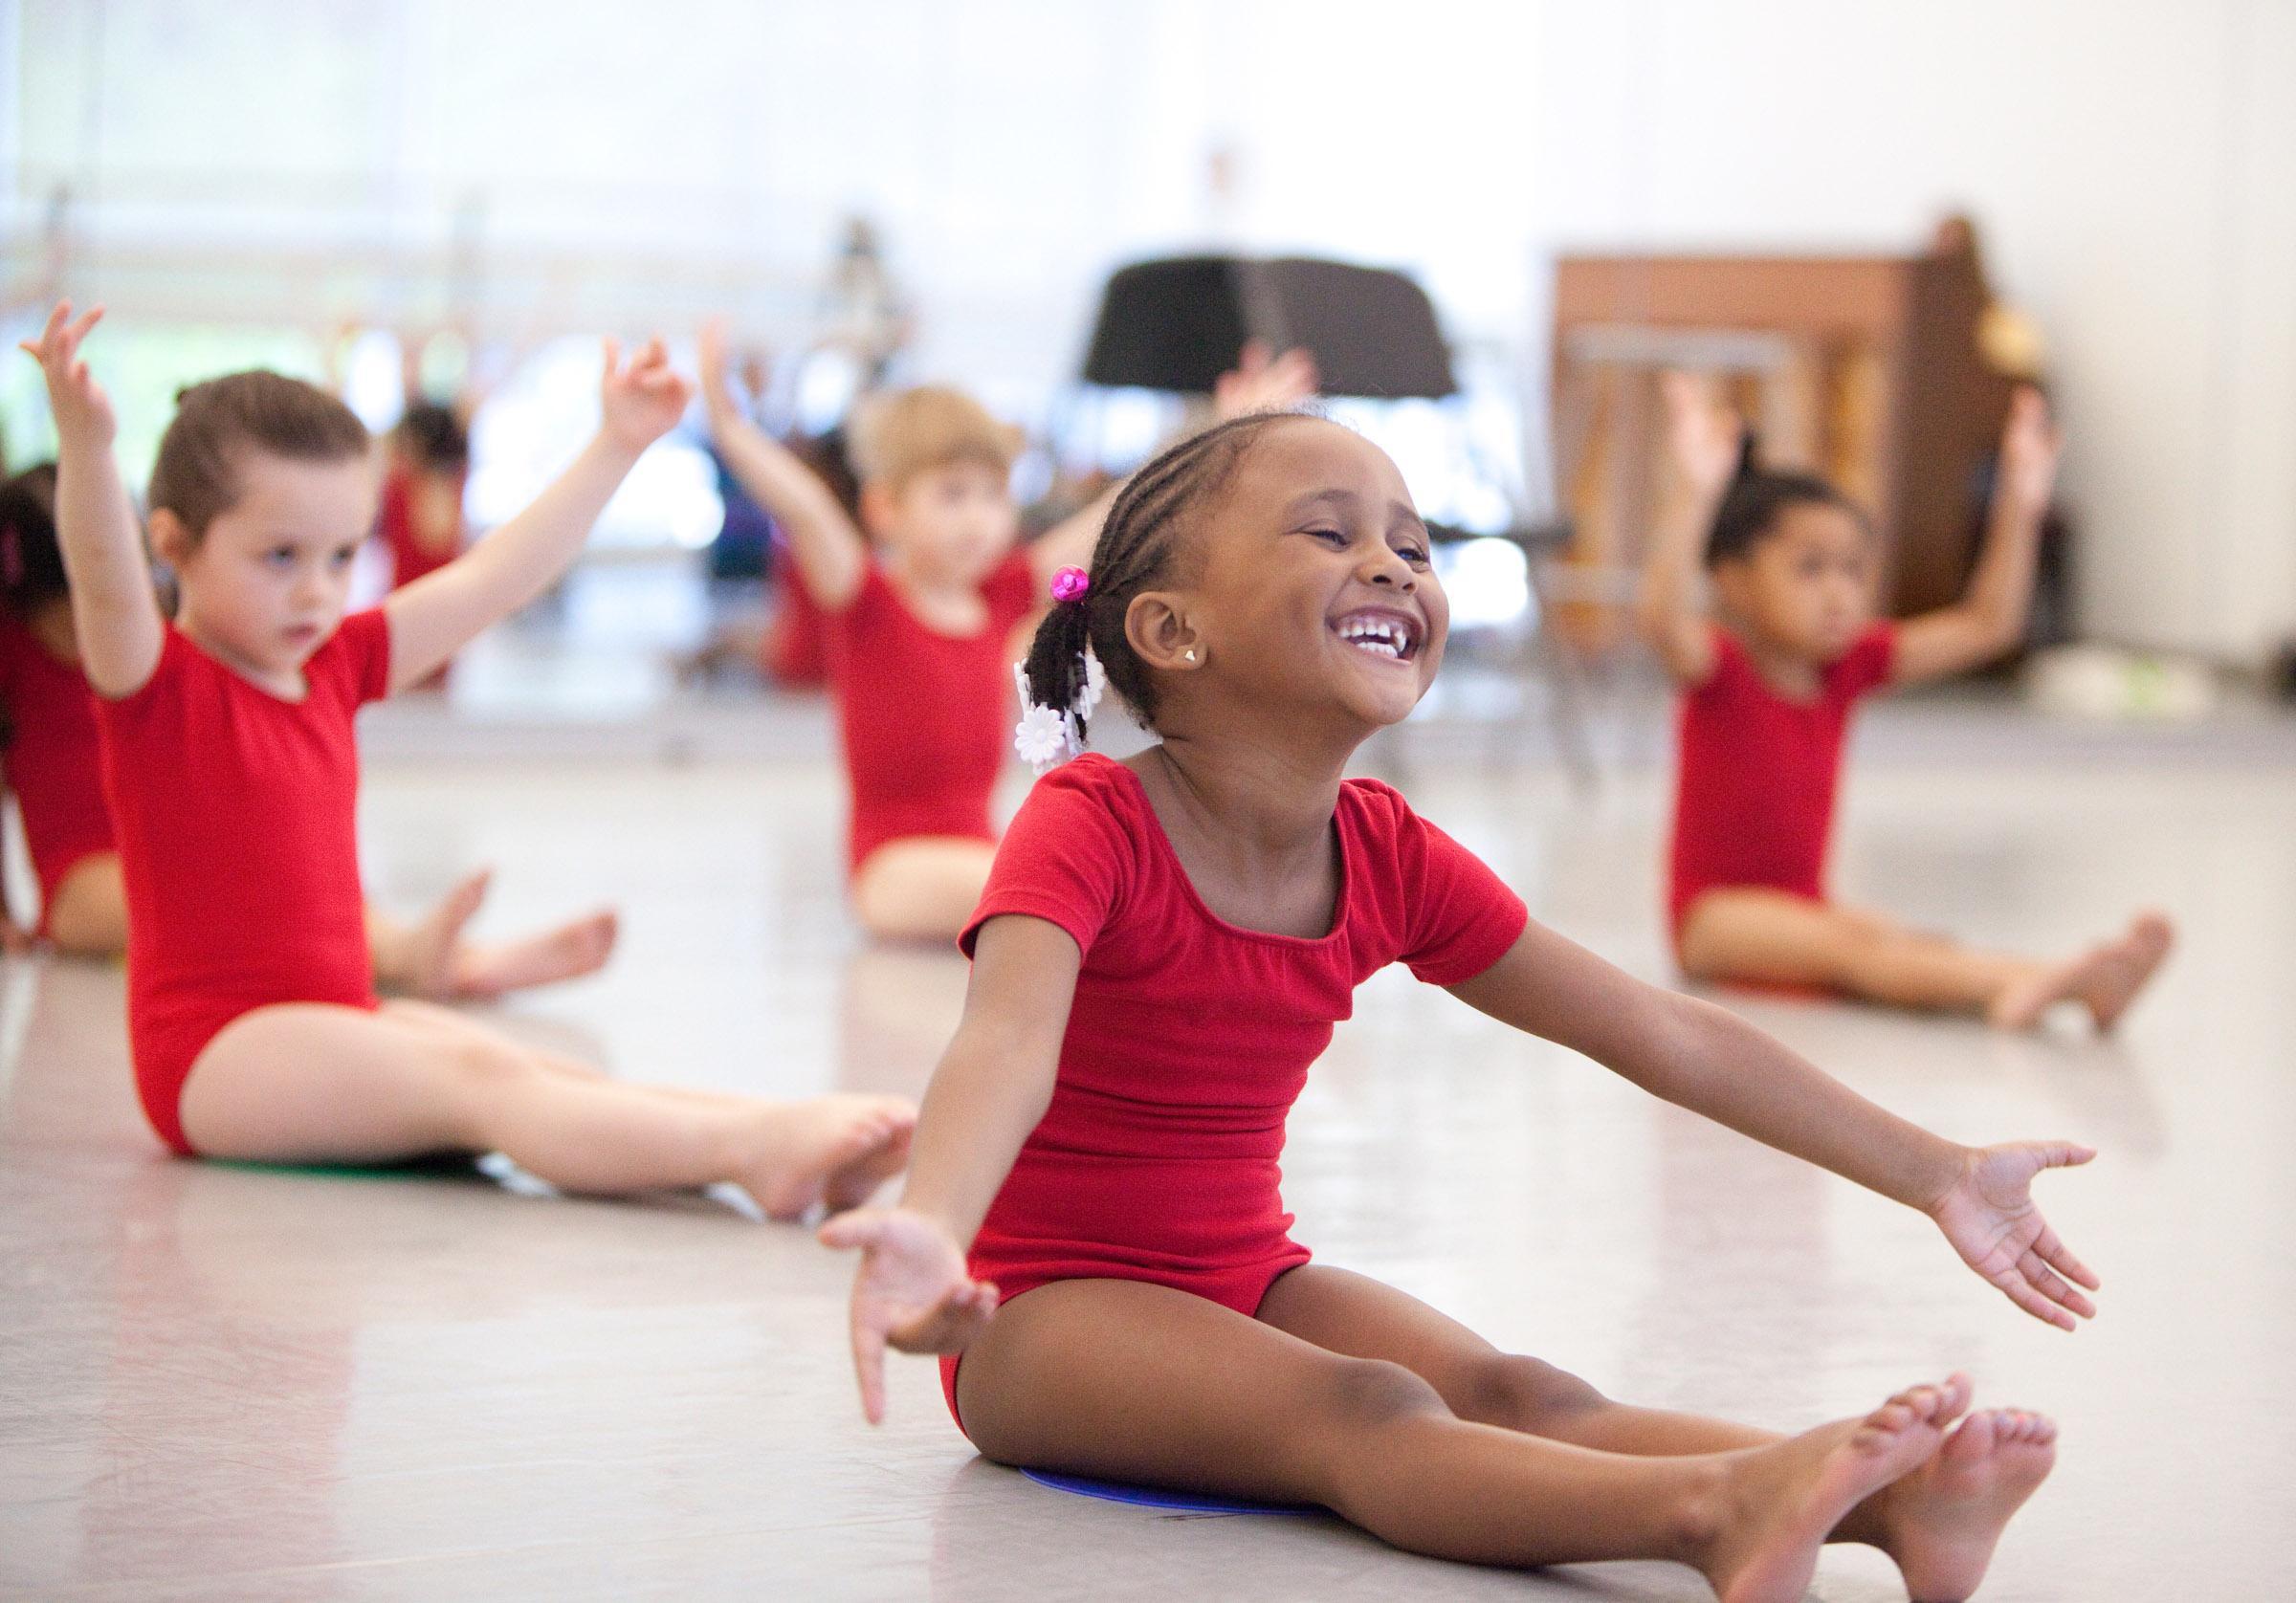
(232, 769)
(919, 626)
(48, 756)
(1162, 951)
(1767, 694)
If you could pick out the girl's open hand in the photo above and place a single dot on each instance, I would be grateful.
(911, 1292)
(83, 412)
(643, 401)
(1704, 435)
(1988, 1214)
(2030, 446)
(1263, 381)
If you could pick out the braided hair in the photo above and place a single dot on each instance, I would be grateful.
(1136, 550)
(1757, 497)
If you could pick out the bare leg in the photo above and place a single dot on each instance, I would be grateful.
(89, 916)
(1939, 1523)
(452, 1032)
(1145, 1383)
(430, 957)
(921, 889)
(1771, 937)
(310, 1083)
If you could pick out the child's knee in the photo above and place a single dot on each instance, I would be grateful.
(487, 1065)
(1526, 1393)
(1370, 1394)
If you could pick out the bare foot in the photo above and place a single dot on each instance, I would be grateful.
(432, 944)
(2104, 979)
(482, 973)
(1778, 1503)
(1944, 1519)
(835, 1150)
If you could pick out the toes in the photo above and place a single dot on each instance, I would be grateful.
(1976, 1438)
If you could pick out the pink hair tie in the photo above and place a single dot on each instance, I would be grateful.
(1069, 585)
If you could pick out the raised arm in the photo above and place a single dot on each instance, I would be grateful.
(1710, 1061)
(1260, 382)
(113, 606)
(1990, 617)
(830, 552)
(1704, 440)
(995, 1081)
(438, 614)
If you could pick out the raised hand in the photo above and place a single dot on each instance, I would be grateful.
(1704, 436)
(83, 412)
(1263, 381)
(911, 1292)
(1988, 1214)
(642, 401)
(2030, 447)
(717, 373)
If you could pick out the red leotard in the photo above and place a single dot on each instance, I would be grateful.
(394, 520)
(51, 759)
(1190, 1039)
(1755, 793)
(237, 816)
(924, 714)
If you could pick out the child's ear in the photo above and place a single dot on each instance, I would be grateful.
(1161, 635)
(880, 506)
(170, 542)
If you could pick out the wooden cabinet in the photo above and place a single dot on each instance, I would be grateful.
(1867, 369)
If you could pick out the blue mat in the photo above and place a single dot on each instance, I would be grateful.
(1156, 1497)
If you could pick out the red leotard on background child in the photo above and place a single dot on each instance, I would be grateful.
(232, 774)
(919, 613)
(1161, 952)
(1767, 694)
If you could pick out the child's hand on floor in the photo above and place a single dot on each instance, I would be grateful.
(1263, 381)
(2030, 446)
(1705, 436)
(83, 411)
(911, 1292)
(643, 401)
(1988, 1214)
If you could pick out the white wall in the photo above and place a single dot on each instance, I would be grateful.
(2132, 162)
(2133, 166)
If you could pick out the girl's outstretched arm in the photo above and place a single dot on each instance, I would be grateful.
(993, 1084)
(1713, 1063)
(113, 606)
(438, 614)
(1704, 439)
(831, 554)
(1991, 615)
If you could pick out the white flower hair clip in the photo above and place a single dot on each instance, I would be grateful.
(1047, 737)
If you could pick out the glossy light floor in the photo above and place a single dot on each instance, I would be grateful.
(224, 1383)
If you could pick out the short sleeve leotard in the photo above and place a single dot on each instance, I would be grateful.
(51, 759)
(236, 813)
(1190, 1037)
(1757, 775)
(924, 714)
